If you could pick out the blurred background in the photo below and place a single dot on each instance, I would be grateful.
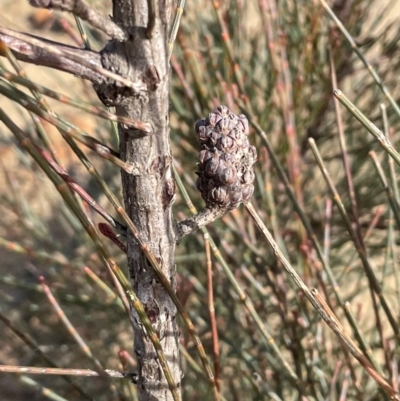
(275, 63)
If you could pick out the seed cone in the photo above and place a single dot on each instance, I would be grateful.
(225, 168)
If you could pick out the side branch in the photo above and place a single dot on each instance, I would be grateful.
(70, 372)
(85, 12)
(33, 54)
(201, 219)
(79, 56)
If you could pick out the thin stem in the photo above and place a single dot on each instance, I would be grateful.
(68, 325)
(110, 263)
(67, 372)
(111, 296)
(367, 65)
(243, 297)
(383, 141)
(35, 347)
(45, 391)
(175, 26)
(211, 311)
(228, 46)
(394, 206)
(373, 281)
(22, 75)
(67, 129)
(87, 107)
(322, 308)
(345, 155)
(303, 217)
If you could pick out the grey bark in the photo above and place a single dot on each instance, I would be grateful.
(30, 53)
(143, 61)
(148, 197)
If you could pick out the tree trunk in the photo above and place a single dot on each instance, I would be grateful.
(148, 197)
(140, 54)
